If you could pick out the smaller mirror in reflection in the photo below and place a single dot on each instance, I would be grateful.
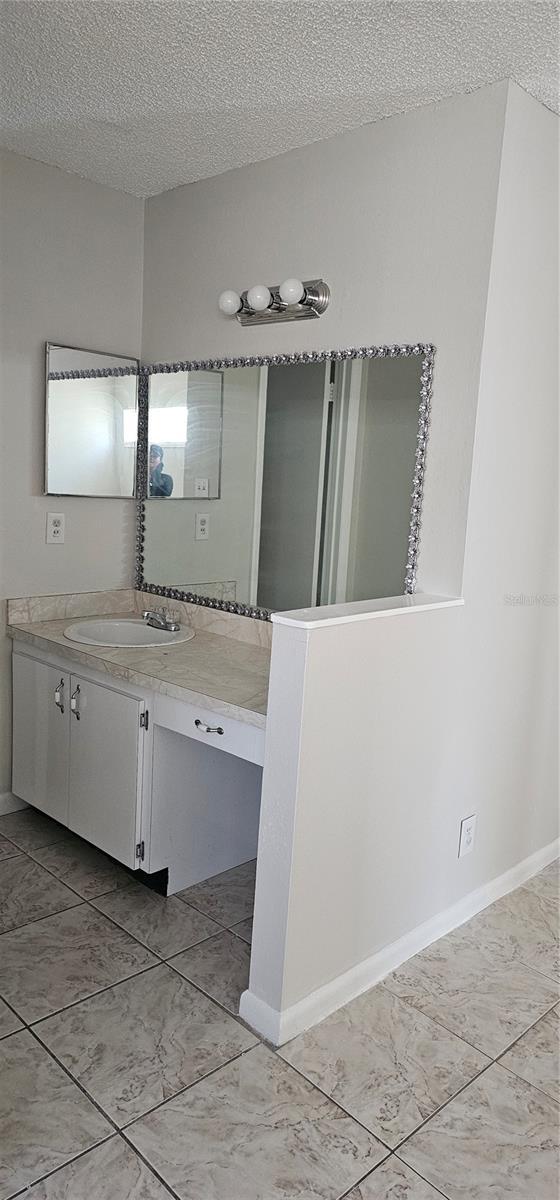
(185, 435)
(91, 424)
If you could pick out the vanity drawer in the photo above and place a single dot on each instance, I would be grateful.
(245, 741)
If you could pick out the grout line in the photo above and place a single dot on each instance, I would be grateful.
(438, 1021)
(44, 916)
(119, 1129)
(435, 1020)
(440, 1108)
(337, 1104)
(90, 996)
(541, 974)
(59, 879)
(218, 1003)
(365, 1178)
(135, 937)
(148, 1164)
(187, 1088)
(528, 1082)
(494, 1062)
(75, 1158)
(75, 1081)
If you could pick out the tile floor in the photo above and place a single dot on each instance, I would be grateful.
(125, 1073)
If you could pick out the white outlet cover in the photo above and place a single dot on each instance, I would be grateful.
(201, 527)
(466, 837)
(55, 529)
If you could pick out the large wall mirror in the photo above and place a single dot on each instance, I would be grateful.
(295, 480)
(91, 423)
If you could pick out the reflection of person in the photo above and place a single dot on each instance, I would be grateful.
(160, 483)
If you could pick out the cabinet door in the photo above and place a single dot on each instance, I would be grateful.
(41, 728)
(105, 775)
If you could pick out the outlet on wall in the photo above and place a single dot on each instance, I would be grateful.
(201, 527)
(201, 487)
(55, 529)
(466, 837)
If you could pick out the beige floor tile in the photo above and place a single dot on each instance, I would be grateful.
(44, 1118)
(244, 930)
(8, 1020)
(82, 867)
(53, 963)
(227, 898)
(255, 1130)
(536, 1056)
(479, 996)
(27, 892)
(547, 882)
(111, 1171)
(29, 829)
(219, 966)
(7, 849)
(393, 1180)
(521, 927)
(165, 924)
(385, 1063)
(139, 1043)
(498, 1139)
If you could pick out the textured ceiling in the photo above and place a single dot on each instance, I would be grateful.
(149, 94)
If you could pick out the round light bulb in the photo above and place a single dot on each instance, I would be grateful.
(258, 297)
(229, 303)
(292, 291)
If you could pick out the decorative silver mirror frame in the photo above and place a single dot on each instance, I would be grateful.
(424, 350)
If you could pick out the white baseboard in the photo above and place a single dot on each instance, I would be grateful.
(279, 1027)
(10, 803)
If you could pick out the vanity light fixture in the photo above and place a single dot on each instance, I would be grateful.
(293, 300)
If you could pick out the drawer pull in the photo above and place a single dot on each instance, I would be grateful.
(74, 703)
(208, 728)
(59, 697)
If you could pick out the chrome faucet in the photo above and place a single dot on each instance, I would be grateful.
(158, 619)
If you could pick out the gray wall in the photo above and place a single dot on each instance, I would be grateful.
(70, 271)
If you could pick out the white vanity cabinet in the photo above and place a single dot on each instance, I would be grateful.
(41, 741)
(156, 782)
(105, 772)
(77, 754)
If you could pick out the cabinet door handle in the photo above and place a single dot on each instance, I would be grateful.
(74, 703)
(59, 696)
(208, 728)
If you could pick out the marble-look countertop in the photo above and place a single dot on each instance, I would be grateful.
(224, 675)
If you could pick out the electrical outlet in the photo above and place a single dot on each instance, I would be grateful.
(201, 487)
(466, 837)
(201, 527)
(55, 529)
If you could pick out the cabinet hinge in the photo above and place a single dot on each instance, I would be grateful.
(140, 851)
(144, 719)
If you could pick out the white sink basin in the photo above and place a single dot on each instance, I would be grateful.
(130, 631)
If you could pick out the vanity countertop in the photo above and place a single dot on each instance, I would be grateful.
(227, 676)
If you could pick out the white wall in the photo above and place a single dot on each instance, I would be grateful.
(396, 728)
(398, 217)
(70, 272)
